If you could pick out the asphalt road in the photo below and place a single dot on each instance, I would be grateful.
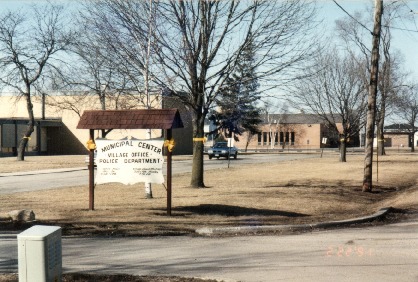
(48, 179)
(384, 253)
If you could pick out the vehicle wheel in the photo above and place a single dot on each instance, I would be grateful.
(217, 158)
(210, 157)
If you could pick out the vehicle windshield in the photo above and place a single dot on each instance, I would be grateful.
(221, 145)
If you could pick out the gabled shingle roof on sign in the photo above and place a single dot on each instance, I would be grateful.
(131, 119)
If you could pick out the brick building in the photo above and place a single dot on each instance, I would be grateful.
(399, 136)
(56, 132)
(291, 131)
(55, 127)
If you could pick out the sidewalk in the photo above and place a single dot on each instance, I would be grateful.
(380, 253)
(44, 171)
(207, 231)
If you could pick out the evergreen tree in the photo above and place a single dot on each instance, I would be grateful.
(237, 110)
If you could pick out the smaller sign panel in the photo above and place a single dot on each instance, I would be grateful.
(129, 161)
(230, 142)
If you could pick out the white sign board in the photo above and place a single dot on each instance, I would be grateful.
(230, 142)
(129, 161)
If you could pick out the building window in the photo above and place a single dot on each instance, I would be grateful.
(259, 138)
(264, 138)
(286, 138)
(276, 138)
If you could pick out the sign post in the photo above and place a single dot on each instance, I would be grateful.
(230, 144)
(91, 146)
(324, 142)
(169, 161)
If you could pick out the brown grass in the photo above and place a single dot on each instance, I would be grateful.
(293, 192)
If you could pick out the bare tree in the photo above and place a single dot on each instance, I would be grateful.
(196, 46)
(337, 94)
(123, 32)
(407, 111)
(371, 104)
(201, 42)
(91, 74)
(390, 74)
(248, 139)
(275, 122)
(386, 69)
(30, 43)
(89, 78)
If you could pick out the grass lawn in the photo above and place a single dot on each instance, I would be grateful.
(291, 192)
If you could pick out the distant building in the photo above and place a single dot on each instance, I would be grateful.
(399, 135)
(55, 127)
(292, 131)
(56, 132)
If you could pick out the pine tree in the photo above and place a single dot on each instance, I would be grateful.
(237, 110)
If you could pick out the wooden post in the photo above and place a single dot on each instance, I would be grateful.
(91, 173)
(169, 176)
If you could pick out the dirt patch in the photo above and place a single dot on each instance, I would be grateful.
(292, 192)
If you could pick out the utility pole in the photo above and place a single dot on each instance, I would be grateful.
(148, 187)
(371, 103)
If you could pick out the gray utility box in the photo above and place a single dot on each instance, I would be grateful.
(39, 254)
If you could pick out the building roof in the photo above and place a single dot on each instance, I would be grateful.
(131, 119)
(295, 119)
(53, 122)
(398, 128)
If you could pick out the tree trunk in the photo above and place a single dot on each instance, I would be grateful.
(197, 166)
(343, 151)
(381, 125)
(411, 141)
(380, 139)
(31, 125)
(371, 103)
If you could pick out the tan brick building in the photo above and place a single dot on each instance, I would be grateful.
(290, 131)
(399, 136)
(55, 127)
(56, 133)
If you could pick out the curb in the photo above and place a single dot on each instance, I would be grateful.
(207, 231)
